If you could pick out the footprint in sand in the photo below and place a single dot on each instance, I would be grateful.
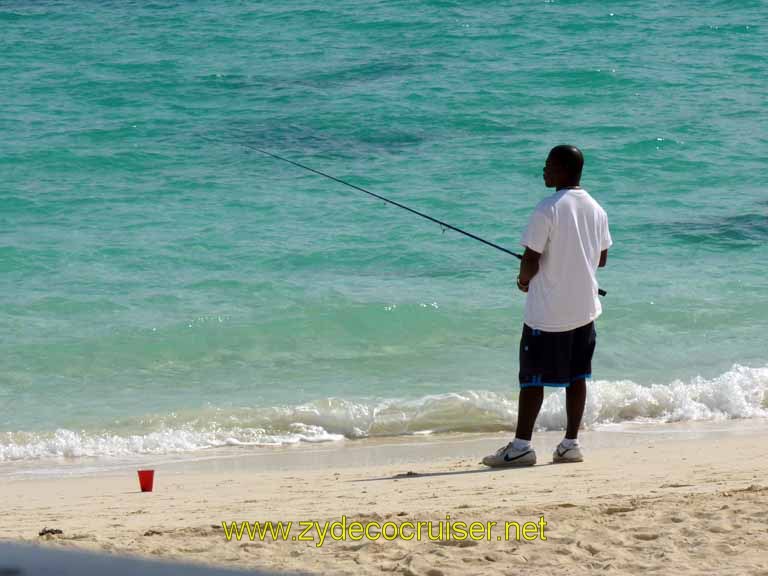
(646, 537)
(618, 510)
(457, 543)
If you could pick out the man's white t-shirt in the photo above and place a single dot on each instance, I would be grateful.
(569, 229)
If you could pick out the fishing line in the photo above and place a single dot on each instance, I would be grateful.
(442, 224)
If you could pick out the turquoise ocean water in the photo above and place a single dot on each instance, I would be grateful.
(164, 289)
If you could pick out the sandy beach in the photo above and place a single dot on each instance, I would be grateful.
(690, 499)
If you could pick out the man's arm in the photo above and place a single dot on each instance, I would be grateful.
(529, 266)
(603, 259)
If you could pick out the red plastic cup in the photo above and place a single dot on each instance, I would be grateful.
(146, 480)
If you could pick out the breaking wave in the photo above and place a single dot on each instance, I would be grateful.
(741, 392)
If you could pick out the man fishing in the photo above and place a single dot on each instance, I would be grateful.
(566, 240)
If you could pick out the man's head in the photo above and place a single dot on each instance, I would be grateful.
(563, 167)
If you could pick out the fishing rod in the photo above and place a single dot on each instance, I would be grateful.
(444, 225)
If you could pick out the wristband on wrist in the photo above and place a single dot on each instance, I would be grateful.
(521, 285)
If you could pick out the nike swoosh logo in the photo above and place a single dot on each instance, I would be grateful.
(508, 459)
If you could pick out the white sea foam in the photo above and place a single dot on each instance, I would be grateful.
(741, 392)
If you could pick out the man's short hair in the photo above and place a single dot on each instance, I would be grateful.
(569, 158)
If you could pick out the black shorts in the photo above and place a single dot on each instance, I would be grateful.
(556, 358)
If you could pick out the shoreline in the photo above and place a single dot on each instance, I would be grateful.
(392, 449)
(388, 449)
(738, 394)
(643, 498)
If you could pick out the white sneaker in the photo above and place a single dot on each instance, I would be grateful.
(508, 457)
(563, 455)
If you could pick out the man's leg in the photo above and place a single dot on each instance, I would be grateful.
(575, 399)
(528, 406)
(520, 452)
